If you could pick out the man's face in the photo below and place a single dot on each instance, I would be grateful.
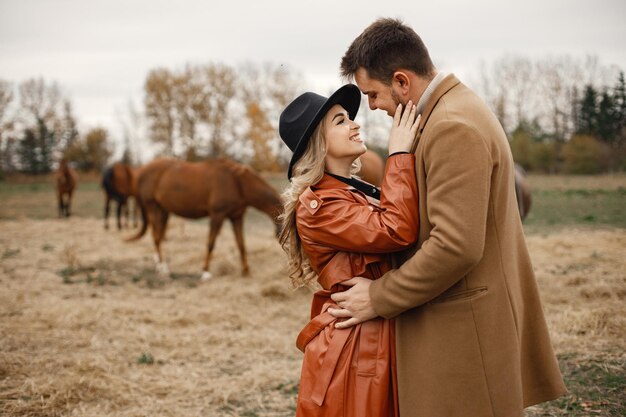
(379, 95)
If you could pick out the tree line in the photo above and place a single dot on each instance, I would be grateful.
(197, 112)
(38, 127)
(560, 114)
(217, 110)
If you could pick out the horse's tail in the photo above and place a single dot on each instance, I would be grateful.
(144, 221)
(109, 185)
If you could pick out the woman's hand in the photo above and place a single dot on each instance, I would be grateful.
(404, 128)
(354, 304)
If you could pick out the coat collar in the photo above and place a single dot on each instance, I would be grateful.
(329, 182)
(432, 86)
(446, 85)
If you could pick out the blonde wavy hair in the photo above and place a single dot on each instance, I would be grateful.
(307, 171)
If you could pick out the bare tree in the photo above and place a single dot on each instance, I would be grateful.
(260, 133)
(509, 88)
(197, 112)
(545, 91)
(160, 108)
(188, 110)
(69, 130)
(7, 137)
(558, 78)
(92, 151)
(6, 97)
(44, 113)
(132, 125)
(220, 83)
(269, 88)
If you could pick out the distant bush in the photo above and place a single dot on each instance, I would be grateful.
(533, 155)
(581, 154)
(584, 154)
(521, 147)
(545, 157)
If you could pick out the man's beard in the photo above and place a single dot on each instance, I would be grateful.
(395, 98)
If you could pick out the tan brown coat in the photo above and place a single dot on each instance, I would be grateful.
(471, 335)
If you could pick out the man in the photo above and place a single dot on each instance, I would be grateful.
(471, 336)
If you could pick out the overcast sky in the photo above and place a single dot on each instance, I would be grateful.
(100, 52)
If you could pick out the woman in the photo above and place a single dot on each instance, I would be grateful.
(334, 228)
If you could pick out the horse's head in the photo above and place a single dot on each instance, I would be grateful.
(259, 193)
(274, 208)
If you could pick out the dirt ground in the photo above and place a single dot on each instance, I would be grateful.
(88, 328)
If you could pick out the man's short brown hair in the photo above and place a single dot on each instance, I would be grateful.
(383, 47)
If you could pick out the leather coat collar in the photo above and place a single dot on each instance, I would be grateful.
(328, 182)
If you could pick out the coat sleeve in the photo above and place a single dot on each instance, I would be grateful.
(458, 169)
(334, 219)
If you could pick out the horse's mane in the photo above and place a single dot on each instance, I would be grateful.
(234, 167)
(241, 171)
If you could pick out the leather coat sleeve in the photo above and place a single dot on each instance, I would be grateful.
(340, 222)
(458, 168)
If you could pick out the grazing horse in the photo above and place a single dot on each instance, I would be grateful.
(220, 189)
(117, 182)
(522, 191)
(372, 168)
(65, 179)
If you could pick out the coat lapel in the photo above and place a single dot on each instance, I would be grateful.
(446, 85)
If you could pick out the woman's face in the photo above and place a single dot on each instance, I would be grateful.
(343, 141)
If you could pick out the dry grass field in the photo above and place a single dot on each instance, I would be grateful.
(88, 328)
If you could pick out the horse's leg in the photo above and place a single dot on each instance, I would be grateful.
(64, 200)
(152, 216)
(125, 215)
(119, 215)
(68, 210)
(61, 208)
(106, 212)
(135, 212)
(237, 223)
(215, 224)
(159, 223)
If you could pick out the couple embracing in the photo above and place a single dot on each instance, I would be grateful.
(428, 304)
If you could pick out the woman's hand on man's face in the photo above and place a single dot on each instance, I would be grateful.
(404, 128)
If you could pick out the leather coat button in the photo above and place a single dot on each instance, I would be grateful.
(313, 204)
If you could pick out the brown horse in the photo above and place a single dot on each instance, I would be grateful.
(117, 183)
(522, 191)
(372, 168)
(220, 189)
(65, 179)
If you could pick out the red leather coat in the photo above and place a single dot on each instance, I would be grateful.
(351, 372)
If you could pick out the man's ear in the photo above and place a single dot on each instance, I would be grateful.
(401, 81)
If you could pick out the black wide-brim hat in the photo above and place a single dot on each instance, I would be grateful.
(301, 117)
